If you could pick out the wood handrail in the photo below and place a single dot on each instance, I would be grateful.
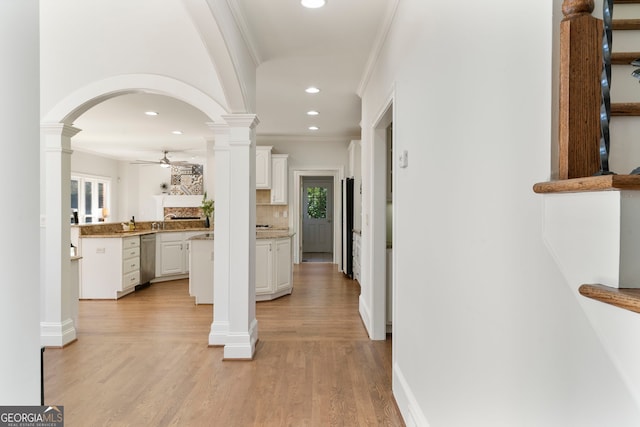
(591, 183)
(627, 298)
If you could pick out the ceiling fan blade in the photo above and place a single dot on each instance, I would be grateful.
(143, 162)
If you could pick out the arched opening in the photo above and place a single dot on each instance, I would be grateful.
(57, 304)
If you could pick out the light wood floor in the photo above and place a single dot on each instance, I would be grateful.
(144, 361)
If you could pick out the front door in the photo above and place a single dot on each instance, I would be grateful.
(317, 215)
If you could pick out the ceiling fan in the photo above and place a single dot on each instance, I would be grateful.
(164, 162)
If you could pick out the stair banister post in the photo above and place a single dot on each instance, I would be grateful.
(580, 69)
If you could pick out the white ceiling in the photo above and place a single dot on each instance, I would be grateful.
(295, 48)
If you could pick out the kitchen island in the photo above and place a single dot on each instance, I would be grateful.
(110, 264)
(274, 267)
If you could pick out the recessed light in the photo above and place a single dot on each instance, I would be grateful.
(312, 90)
(177, 132)
(312, 113)
(313, 4)
(313, 128)
(151, 113)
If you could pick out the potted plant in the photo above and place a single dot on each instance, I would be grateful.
(207, 209)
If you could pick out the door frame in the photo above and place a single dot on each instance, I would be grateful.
(337, 174)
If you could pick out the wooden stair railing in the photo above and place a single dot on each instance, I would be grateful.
(580, 91)
(580, 69)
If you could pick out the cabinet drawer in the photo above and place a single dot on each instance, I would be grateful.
(131, 279)
(129, 265)
(131, 253)
(131, 242)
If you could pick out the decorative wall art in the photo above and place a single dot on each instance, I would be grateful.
(186, 180)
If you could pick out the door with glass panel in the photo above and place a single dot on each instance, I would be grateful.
(317, 215)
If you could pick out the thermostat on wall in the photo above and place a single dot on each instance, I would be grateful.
(403, 160)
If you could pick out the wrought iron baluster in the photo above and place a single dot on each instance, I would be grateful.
(605, 82)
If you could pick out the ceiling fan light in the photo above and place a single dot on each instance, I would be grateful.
(313, 4)
(164, 165)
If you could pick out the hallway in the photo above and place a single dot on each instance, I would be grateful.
(144, 360)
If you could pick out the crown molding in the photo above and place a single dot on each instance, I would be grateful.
(274, 139)
(374, 55)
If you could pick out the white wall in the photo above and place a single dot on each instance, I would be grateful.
(19, 117)
(486, 331)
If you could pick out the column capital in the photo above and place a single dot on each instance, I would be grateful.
(218, 128)
(59, 129)
(241, 120)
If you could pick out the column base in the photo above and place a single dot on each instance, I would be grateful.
(57, 334)
(219, 333)
(242, 346)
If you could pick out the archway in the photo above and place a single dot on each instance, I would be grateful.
(57, 326)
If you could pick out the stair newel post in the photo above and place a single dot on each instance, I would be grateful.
(580, 94)
(605, 83)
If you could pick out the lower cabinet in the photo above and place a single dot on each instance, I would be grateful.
(274, 268)
(110, 267)
(172, 254)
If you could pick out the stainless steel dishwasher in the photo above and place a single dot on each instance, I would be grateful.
(147, 259)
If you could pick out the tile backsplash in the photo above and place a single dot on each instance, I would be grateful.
(273, 215)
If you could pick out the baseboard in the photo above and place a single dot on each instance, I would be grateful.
(57, 334)
(365, 314)
(407, 403)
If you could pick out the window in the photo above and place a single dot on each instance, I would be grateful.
(89, 198)
(317, 202)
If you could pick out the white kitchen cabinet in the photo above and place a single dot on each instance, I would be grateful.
(263, 167)
(201, 268)
(283, 271)
(172, 254)
(264, 266)
(274, 269)
(110, 267)
(279, 179)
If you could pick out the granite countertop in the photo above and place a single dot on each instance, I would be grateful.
(260, 234)
(273, 234)
(119, 234)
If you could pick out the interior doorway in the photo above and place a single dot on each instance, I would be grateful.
(317, 218)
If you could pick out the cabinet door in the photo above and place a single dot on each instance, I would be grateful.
(263, 167)
(283, 264)
(172, 255)
(264, 272)
(279, 179)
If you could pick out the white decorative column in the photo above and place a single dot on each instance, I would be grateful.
(56, 324)
(236, 199)
(209, 178)
(222, 214)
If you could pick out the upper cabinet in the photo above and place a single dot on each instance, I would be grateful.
(263, 167)
(279, 179)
